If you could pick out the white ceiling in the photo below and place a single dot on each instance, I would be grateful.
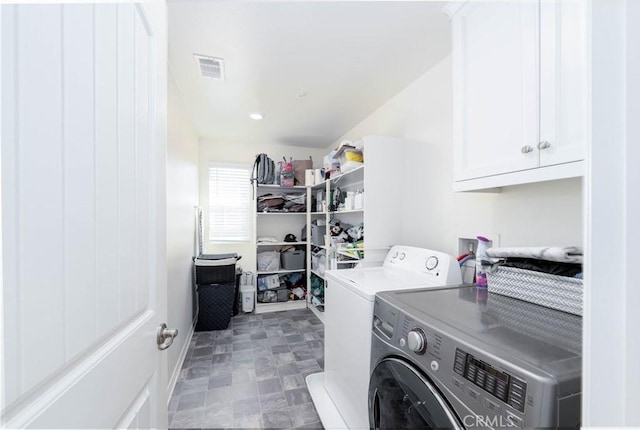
(348, 57)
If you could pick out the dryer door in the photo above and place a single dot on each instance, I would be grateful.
(401, 397)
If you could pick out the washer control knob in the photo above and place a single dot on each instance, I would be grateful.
(432, 262)
(417, 341)
(402, 256)
(395, 254)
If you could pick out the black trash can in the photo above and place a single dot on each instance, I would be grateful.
(216, 306)
(216, 286)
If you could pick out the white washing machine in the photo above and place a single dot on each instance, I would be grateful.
(340, 392)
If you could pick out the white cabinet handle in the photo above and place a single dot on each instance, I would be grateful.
(544, 144)
(526, 149)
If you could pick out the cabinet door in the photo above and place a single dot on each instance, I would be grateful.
(563, 81)
(495, 78)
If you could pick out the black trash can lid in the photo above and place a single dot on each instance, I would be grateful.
(217, 259)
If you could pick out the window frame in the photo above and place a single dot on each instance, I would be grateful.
(221, 165)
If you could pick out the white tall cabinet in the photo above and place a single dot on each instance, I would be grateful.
(520, 81)
(380, 212)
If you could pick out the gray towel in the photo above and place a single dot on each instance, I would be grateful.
(568, 254)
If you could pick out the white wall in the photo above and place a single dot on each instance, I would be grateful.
(434, 216)
(611, 319)
(182, 196)
(211, 151)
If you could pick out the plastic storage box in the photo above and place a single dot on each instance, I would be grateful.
(292, 260)
(317, 234)
(283, 294)
(268, 261)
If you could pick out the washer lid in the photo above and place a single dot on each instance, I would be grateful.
(368, 281)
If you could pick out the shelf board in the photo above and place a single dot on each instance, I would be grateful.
(317, 213)
(351, 177)
(354, 255)
(279, 272)
(317, 274)
(321, 185)
(276, 186)
(281, 213)
(347, 212)
(280, 306)
(280, 243)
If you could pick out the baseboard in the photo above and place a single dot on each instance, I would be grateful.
(176, 371)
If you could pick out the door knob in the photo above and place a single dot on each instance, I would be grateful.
(526, 149)
(544, 144)
(165, 336)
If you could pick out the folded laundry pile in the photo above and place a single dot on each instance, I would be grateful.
(561, 261)
(282, 203)
(567, 254)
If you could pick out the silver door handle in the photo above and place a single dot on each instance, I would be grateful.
(526, 149)
(165, 336)
(544, 144)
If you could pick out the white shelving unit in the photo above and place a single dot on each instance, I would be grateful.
(377, 213)
(277, 224)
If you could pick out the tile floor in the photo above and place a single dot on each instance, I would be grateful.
(251, 375)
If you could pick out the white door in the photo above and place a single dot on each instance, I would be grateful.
(83, 215)
(495, 83)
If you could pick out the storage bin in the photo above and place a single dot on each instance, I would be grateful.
(269, 261)
(283, 294)
(247, 292)
(215, 306)
(552, 291)
(292, 260)
(318, 233)
(319, 262)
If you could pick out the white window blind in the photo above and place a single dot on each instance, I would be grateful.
(229, 203)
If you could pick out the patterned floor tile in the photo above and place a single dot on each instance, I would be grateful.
(277, 419)
(251, 375)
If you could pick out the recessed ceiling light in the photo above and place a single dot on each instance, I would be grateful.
(255, 116)
(302, 94)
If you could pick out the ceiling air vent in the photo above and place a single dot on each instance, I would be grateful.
(210, 67)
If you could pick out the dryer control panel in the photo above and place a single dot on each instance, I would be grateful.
(505, 387)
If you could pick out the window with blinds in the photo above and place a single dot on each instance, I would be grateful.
(229, 203)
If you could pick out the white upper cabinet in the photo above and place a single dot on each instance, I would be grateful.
(564, 104)
(520, 91)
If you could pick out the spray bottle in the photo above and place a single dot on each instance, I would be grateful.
(481, 254)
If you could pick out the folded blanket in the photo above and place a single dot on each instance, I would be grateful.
(568, 254)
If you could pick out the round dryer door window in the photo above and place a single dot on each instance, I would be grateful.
(401, 397)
